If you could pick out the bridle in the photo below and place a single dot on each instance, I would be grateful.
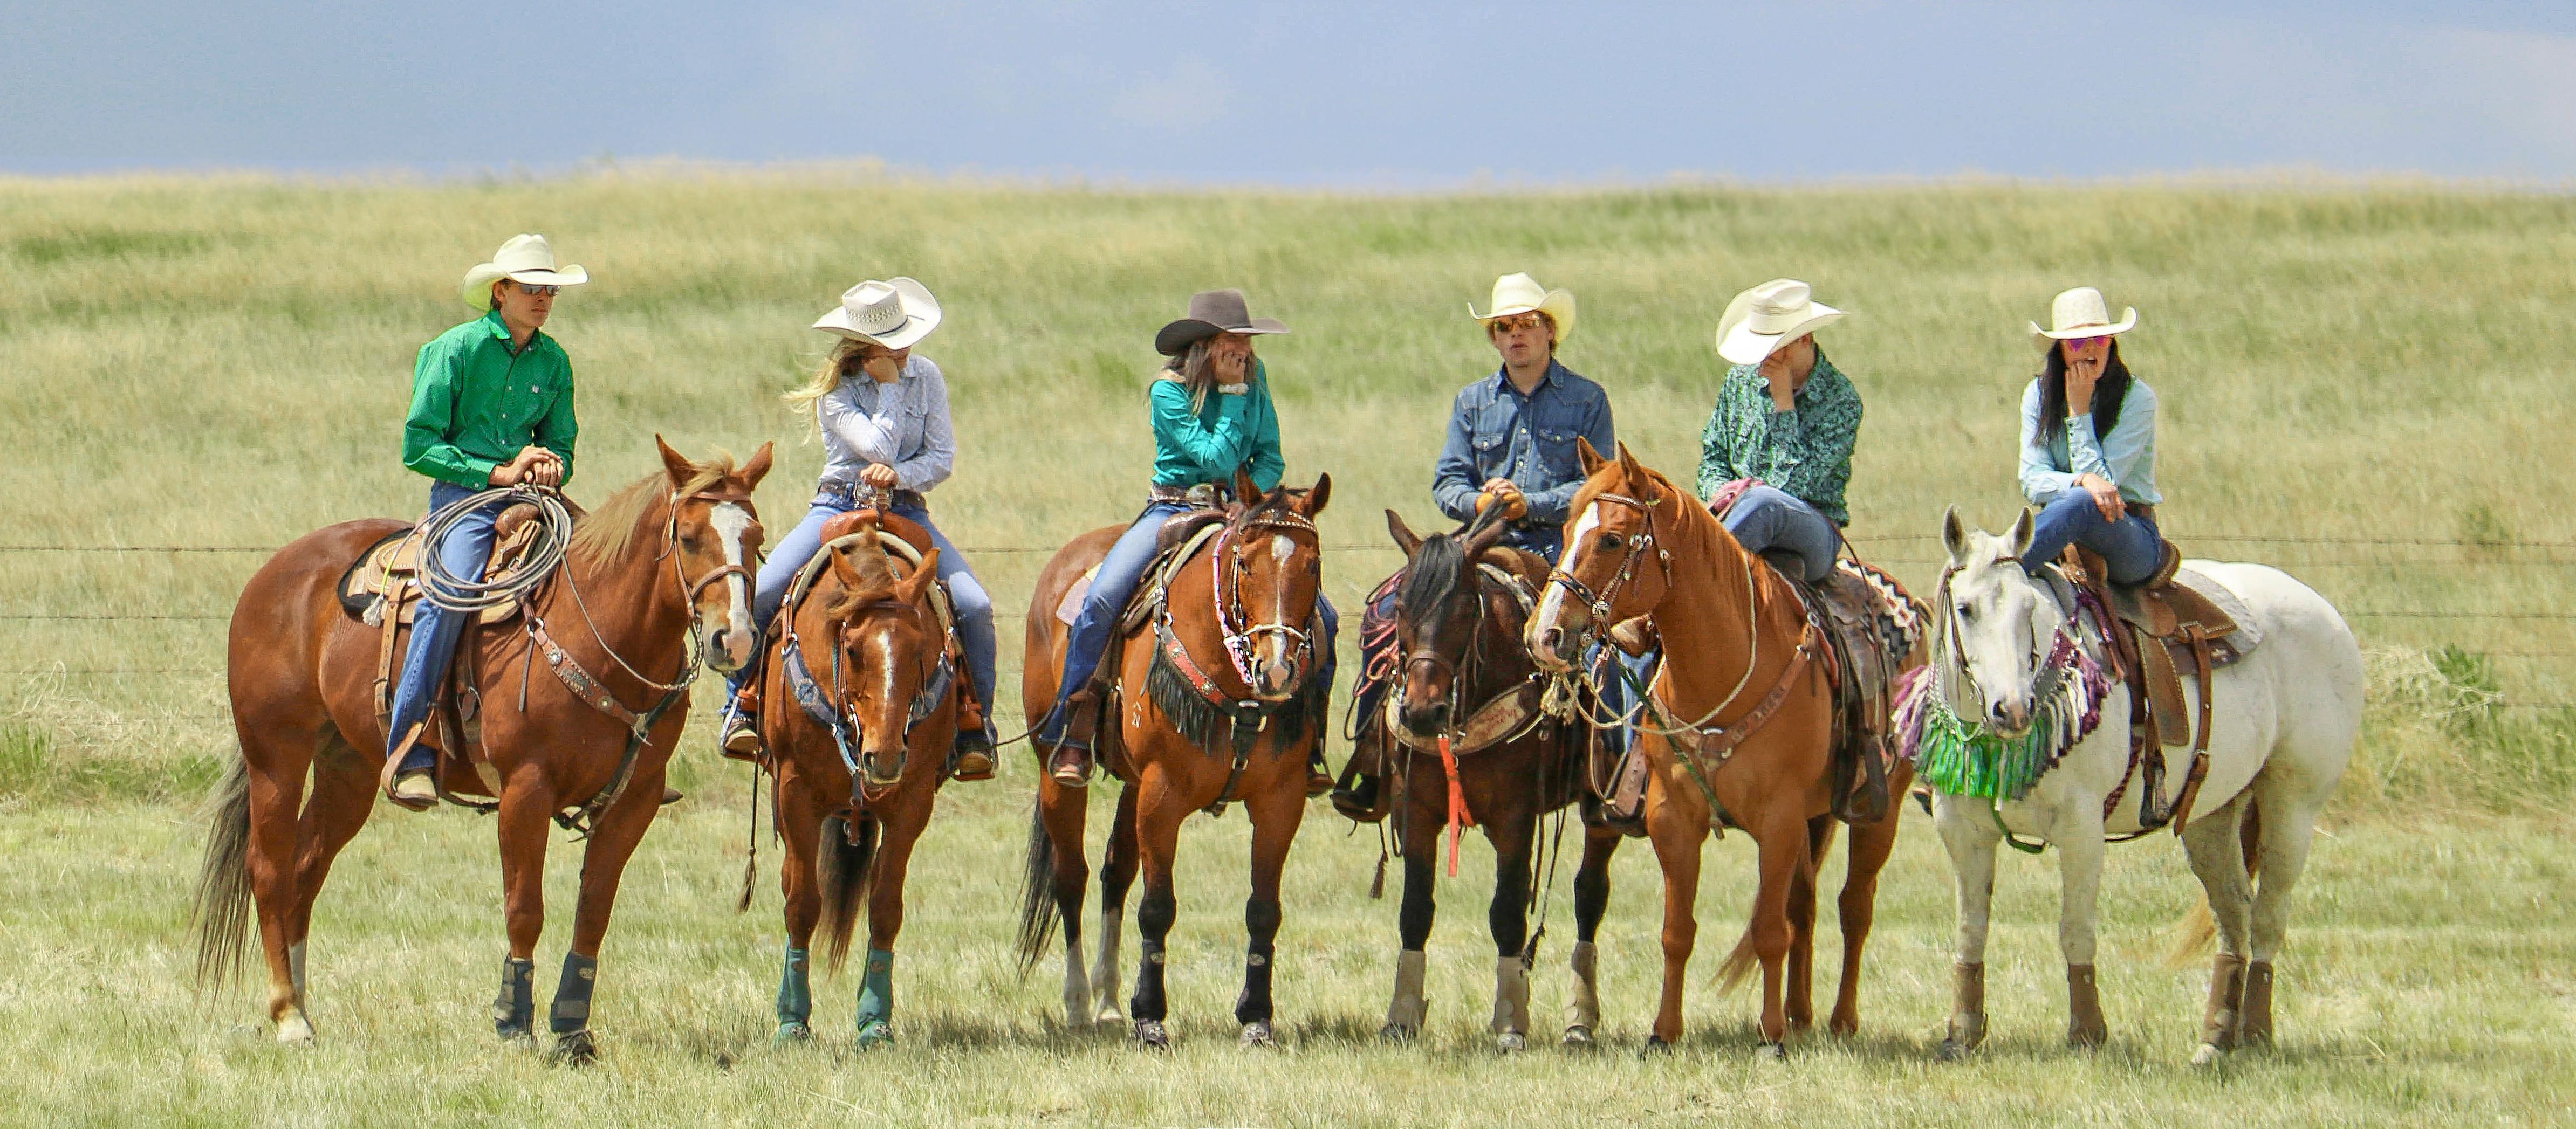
(1600, 603)
(929, 690)
(2054, 662)
(1226, 574)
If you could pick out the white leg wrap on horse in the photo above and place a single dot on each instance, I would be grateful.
(1585, 1011)
(1104, 974)
(1511, 997)
(1408, 1008)
(1077, 991)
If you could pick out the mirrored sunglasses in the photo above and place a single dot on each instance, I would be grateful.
(538, 291)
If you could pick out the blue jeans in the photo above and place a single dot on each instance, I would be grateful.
(1768, 518)
(1119, 574)
(2131, 546)
(434, 630)
(974, 605)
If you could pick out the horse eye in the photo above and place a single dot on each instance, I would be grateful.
(1612, 541)
(1967, 611)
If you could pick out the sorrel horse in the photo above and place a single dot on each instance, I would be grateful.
(1219, 702)
(853, 796)
(2282, 722)
(1464, 741)
(637, 598)
(1738, 730)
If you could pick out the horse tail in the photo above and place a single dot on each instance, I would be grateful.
(221, 915)
(2192, 933)
(1038, 910)
(842, 870)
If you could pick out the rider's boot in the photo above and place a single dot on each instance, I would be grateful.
(413, 786)
(1360, 795)
(1070, 764)
(974, 749)
(741, 739)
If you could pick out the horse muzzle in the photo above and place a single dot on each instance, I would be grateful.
(729, 650)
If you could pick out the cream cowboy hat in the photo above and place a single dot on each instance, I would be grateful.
(525, 258)
(895, 313)
(1520, 294)
(1761, 319)
(2080, 313)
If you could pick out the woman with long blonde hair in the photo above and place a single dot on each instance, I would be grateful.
(883, 414)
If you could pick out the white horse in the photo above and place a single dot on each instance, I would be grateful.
(2282, 730)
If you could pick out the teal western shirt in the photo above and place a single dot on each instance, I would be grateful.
(1227, 432)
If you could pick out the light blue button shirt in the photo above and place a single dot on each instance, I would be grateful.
(903, 425)
(2126, 458)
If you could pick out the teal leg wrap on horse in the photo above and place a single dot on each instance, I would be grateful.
(795, 994)
(516, 1007)
(571, 1010)
(876, 999)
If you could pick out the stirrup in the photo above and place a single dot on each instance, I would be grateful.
(971, 757)
(1070, 766)
(416, 790)
(741, 740)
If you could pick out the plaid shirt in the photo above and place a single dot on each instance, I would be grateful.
(1805, 452)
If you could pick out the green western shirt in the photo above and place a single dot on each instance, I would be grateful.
(474, 403)
(1805, 452)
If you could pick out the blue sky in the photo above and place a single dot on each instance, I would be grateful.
(1332, 93)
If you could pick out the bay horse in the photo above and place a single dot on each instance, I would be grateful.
(1463, 740)
(1195, 730)
(1738, 729)
(2282, 722)
(853, 796)
(636, 599)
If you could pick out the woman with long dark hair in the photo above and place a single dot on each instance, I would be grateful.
(2088, 444)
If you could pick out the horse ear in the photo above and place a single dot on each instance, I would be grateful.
(844, 569)
(1405, 538)
(1590, 458)
(674, 463)
(1636, 471)
(1954, 536)
(912, 588)
(1314, 500)
(1485, 534)
(2023, 529)
(753, 471)
(1244, 491)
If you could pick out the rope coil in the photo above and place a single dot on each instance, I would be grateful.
(473, 594)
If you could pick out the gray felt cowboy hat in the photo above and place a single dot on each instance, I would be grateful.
(1212, 312)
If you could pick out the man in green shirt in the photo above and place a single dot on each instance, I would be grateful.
(491, 405)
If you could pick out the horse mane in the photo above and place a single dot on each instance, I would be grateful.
(877, 581)
(1432, 579)
(609, 530)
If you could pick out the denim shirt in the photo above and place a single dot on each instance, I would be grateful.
(1495, 431)
(903, 425)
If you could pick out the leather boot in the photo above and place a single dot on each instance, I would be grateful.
(1359, 794)
(741, 740)
(2256, 1028)
(2219, 1020)
(2085, 1026)
(1070, 763)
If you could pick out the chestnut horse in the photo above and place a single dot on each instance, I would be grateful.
(1740, 684)
(1467, 680)
(635, 599)
(852, 797)
(1178, 747)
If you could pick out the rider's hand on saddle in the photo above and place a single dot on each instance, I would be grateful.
(2106, 497)
(878, 475)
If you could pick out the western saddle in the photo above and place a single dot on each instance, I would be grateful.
(2176, 623)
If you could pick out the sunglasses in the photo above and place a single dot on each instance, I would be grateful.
(2084, 342)
(1518, 323)
(536, 291)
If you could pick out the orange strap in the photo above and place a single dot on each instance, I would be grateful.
(1459, 817)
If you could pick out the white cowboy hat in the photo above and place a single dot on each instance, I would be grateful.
(525, 258)
(2080, 313)
(1519, 294)
(1761, 319)
(895, 313)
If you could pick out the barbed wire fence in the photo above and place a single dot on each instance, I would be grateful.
(2340, 553)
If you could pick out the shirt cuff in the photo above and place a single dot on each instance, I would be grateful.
(481, 471)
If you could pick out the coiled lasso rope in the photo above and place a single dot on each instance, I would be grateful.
(473, 594)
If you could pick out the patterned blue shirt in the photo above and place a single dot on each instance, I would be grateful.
(1495, 431)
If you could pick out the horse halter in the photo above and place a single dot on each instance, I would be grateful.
(1599, 603)
(1224, 567)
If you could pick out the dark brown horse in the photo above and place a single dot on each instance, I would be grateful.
(1192, 733)
(854, 795)
(635, 584)
(1739, 730)
(1467, 699)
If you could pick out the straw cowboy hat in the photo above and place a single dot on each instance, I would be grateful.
(895, 313)
(1761, 319)
(1212, 312)
(2080, 313)
(525, 258)
(1520, 294)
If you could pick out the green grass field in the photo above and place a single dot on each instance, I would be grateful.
(2376, 375)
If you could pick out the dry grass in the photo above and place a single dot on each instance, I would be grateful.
(224, 362)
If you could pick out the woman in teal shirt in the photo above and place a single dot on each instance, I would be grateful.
(1212, 416)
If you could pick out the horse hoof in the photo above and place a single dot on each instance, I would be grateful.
(1656, 1047)
(875, 1033)
(2207, 1055)
(1397, 1033)
(1257, 1034)
(1109, 1016)
(1151, 1035)
(1770, 1053)
(575, 1048)
(1954, 1050)
(295, 1031)
(1510, 1043)
(791, 1033)
(1578, 1035)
